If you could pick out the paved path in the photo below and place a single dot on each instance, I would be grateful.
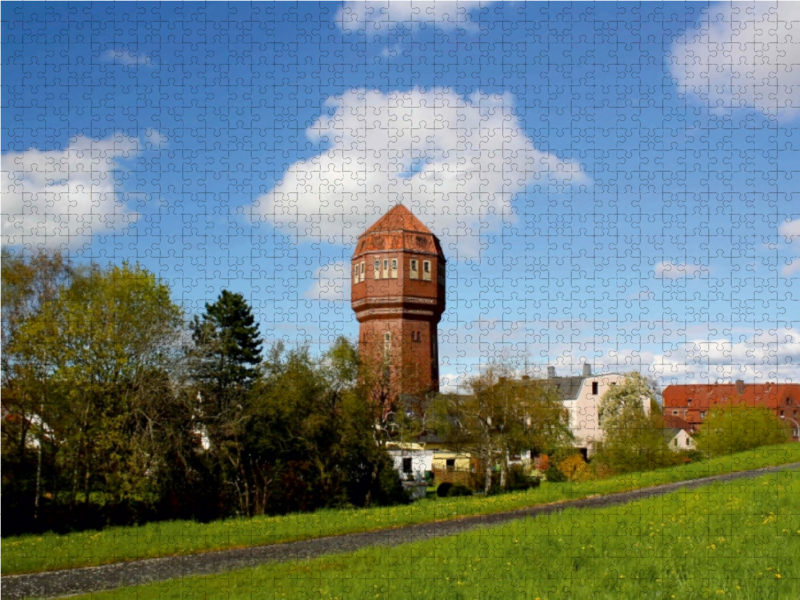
(92, 579)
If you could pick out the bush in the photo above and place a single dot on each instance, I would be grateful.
(519, 479)
(458, 490)
(444, 489)
(734, 427)
(575, 468)
(553, 474)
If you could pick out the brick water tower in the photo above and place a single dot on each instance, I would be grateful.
(398, 279)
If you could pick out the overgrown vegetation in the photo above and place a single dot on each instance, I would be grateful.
(47, 552)
(714, 542)
(736, 427)
(112, 416)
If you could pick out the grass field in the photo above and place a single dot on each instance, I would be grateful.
(48, 552)
(738, 539)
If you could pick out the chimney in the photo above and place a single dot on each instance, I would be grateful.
(551, 372)
(740, 386)
(587, 370)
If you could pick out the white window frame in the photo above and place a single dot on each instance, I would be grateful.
(385, 272)
(355, 274)
(394, 268)
(376, 269)
(363, 271)
(426, 270)
(414, 268)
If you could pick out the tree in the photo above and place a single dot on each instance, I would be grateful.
(102, 344)
(28, 285)
(503, 418)
(632, 436)
(222, 368)
(736, 427)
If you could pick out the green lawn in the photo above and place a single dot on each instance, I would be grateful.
(48, 552)
(738, 539)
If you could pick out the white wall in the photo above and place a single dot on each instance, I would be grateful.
(421, 461)
(583, 411)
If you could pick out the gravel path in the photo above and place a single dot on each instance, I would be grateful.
(91, 579)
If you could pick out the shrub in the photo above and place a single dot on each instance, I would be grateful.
(519, 479)
(443, 489)
(458, 490)
(734, 427)
(575, 468)
(553, 474)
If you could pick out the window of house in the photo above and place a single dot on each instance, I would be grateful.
(450, 463)
(355, 274)
(675, 412)
(387, 345)
(702, 414)
(414, 269)
(782, 415)
(688, 402)
(376, 269)
(426, 270)
(788, 401)
(394, 268)
(385, 268)
(595, 387)
(363, 270)
(407, 466)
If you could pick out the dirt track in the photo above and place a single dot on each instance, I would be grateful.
(92, 579)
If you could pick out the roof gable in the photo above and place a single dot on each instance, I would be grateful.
(398, 217)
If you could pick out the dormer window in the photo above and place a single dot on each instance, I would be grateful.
(376, 270)
(426, 270)
(414, 269)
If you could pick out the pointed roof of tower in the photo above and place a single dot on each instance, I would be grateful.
(398, 217)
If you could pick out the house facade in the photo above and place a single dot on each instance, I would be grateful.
(691, 402)
(581, 396)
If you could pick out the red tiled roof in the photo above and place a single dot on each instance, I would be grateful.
(673, 422)
(398, 217)
(770, 395)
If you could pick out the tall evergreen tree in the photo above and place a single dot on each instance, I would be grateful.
(227, 344)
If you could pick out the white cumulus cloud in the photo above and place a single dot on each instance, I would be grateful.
(790, 230)
(743, 55)
(126, 57)
(330, 282)
(456, 162)
(60, 198)
(671, 270)
(381, 17)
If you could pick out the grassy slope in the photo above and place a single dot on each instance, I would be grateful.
(48, 552)
(738, 539)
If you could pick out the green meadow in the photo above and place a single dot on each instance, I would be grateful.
(27, 554)
(738, 539)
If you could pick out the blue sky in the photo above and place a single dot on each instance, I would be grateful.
(611, 183)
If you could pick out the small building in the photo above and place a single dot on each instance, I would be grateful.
(691, 402)
(677, 434)
(411, 460)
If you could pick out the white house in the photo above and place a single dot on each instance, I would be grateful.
(410, 460)
(582, 397)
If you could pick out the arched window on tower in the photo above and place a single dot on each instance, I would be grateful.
(376, 269)
(387, 345)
